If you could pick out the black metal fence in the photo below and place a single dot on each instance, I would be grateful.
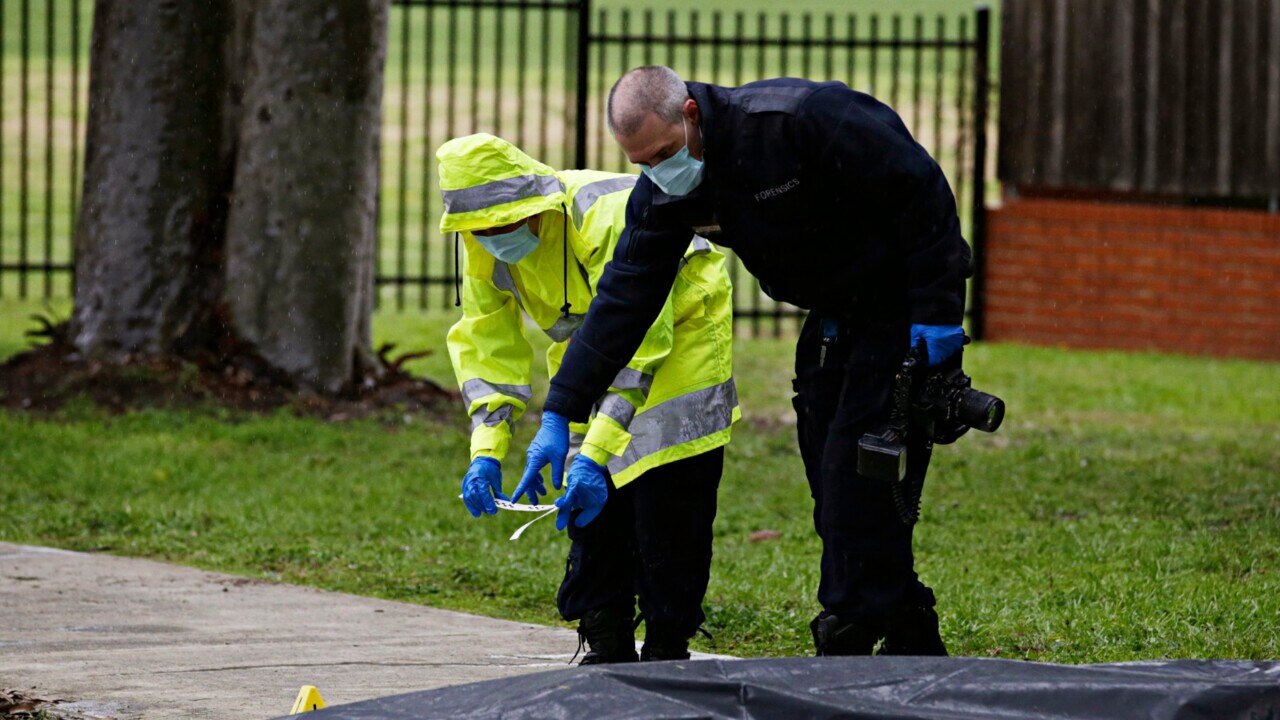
(43, 87)
(933, 71)
(454, 68)
(533, 71)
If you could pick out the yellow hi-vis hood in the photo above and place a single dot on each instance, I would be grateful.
(487, 182)
(675, 398)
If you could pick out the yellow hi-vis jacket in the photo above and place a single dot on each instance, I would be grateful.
(674, 400)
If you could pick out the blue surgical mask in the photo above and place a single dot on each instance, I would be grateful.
(510, 247)
(678, 174)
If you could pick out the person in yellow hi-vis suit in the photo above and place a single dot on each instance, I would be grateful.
(641, 490)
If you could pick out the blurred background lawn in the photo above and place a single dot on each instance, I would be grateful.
(1130, 507)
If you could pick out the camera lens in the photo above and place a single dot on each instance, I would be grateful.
(980, 410)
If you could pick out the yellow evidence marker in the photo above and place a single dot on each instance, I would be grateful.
(308, 699)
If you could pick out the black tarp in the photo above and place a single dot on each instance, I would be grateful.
(879, 688)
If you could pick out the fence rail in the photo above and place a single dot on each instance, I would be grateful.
(43, 86)
(533, 71)
(926, 68)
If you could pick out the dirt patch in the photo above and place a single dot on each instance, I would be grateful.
(783, 422)
(17, 704)
(20, 705)
(48, 376)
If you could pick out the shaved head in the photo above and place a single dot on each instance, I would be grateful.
(644, 91)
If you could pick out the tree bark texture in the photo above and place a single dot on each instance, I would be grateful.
(151, 173)
(231, 181)
(300, 234)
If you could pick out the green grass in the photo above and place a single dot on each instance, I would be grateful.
(1129, 509)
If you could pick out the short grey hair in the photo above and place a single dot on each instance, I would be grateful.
(650, 89)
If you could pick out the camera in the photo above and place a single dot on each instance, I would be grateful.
(948, 403)
(929, 406)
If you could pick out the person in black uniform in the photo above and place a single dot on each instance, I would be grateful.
(828, 200)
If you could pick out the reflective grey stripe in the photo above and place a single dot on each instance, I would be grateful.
(628, 379)
(500, 192)
(503, 281)
(699, 246)
(575, 446)
(618, 408)
(475, 388)
(678, 421)
(485, 417)
(564, 327)
(588, 194)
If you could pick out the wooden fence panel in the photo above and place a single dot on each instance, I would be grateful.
(1272, 98)
(1173, 97)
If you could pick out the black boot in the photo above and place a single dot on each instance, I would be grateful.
(609, 635)
(914, 631)
(833, 636)
(663, 644)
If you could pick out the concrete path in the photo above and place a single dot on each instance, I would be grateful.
(134, 638)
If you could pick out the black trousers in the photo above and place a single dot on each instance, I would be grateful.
(867, 564)
(652, 541)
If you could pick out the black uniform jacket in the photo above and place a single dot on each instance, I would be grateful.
(824, 196)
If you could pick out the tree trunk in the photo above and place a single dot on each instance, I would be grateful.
(271, 104)
(152, 160)
(300, 235)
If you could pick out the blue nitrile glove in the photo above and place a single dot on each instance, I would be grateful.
(587, 491)
(481, 484)
(531, 484)
(942, 341)
(549, 447)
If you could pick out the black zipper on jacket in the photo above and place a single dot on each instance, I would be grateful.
(565, 258)
(457, 276)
